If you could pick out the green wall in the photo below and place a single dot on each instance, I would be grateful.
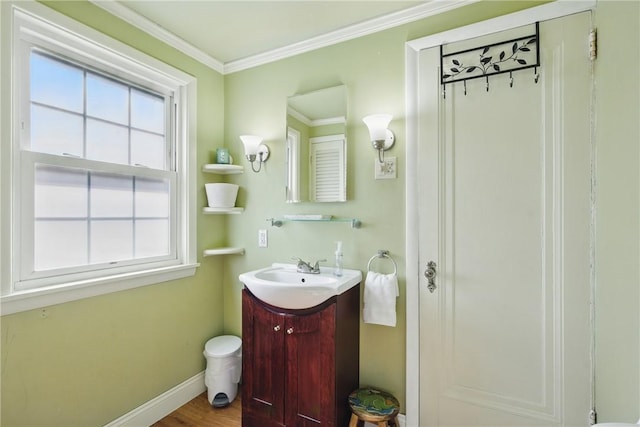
(617, 155)
(90, 361)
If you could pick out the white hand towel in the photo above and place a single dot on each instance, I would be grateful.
(380, 293)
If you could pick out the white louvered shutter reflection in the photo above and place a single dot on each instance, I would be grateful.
(327, 169)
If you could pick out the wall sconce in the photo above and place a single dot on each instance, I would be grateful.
(253, 148)
(382, 138)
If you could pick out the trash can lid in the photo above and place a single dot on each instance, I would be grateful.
(223, 345)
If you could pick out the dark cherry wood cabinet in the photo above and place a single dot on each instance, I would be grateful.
(299, 366)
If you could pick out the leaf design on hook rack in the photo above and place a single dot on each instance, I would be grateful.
(496, 58)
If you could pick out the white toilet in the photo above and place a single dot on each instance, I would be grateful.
(617, 424)
(224, 365)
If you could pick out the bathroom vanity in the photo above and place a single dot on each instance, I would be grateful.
(299, 365)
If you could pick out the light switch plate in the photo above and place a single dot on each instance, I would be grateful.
(386, 169)
(263, 241)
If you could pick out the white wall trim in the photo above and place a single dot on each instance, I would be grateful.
(416, 13)
(528, 16)
(545, 12)
(412, 372)
(161, 406)
(150, 27)
(431, 8)
(17, 302)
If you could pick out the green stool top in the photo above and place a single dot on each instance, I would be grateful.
(372, 401)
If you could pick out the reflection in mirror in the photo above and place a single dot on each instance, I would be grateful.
(316, 146)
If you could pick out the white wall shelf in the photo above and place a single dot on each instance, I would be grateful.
(222, 211)
(222, 169)
(223, 251)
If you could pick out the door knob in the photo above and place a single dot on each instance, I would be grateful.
(290, 331)
(430, 274)
(276, 328)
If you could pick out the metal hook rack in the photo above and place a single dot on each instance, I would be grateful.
(496, 58)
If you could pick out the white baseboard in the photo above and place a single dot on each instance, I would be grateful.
(161, 406)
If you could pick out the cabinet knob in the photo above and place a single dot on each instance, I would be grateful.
(290, 331)
(276, 328)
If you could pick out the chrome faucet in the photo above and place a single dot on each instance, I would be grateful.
(305, 267)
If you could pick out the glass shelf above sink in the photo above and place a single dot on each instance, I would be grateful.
(355, 223)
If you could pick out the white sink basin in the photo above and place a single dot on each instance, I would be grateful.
(282, 286)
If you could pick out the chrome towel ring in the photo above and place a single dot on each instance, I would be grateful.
(382, 253)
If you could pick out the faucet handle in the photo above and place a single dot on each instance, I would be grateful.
(317, 264)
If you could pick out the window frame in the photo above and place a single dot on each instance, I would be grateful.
(27, 24)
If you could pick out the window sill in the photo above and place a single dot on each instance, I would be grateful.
(38, 298)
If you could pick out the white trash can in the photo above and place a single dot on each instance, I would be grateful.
(224, 365)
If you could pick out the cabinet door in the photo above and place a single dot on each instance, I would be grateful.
(310, 369)
(262, 363)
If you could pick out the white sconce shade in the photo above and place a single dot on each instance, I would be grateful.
(382, 138)
(251, 144)
(253, 148)
(378, 124)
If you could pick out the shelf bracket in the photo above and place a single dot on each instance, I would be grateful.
(275, 222)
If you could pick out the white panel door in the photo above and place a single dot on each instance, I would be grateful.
(505, 214)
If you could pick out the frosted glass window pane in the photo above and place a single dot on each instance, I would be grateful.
(152, 237)
(152, 198)
(148, 149)
(60, 192)
(111, 195)
(60, 244)
(56, 132)
(87, 213)
(147, 111)
(111, 241)
(56, 83)
(107, 99)
(107, 142)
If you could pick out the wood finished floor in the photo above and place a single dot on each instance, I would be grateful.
(198, 412)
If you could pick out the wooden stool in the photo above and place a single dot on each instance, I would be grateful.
(374, 406)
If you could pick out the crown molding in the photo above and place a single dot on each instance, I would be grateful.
(153, 29)
(433, 7)
(340, 120)
(299, 116)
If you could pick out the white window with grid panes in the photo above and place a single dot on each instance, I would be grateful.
(101, 165)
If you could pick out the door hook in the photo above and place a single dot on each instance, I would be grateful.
(537, 76)
(510, 79)
(444, 91)
(465, 88)
(487, 83)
